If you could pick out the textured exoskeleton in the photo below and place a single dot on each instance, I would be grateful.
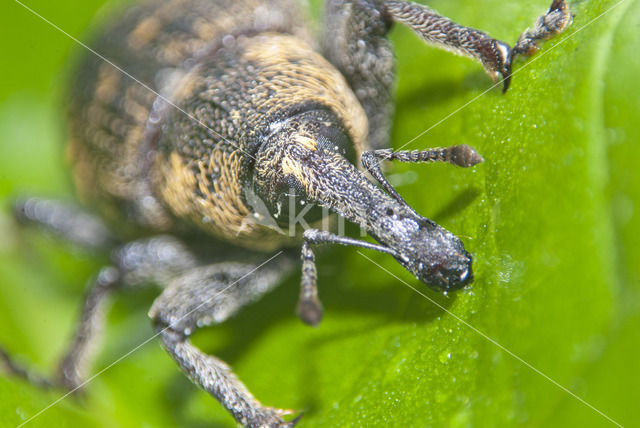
(204, 126)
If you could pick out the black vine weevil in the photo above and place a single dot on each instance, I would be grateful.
(232, 102)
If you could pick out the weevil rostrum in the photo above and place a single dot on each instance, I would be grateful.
(235, 118)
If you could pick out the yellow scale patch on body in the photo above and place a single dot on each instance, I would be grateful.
(298, 73)
(220, 210)
(306, 142)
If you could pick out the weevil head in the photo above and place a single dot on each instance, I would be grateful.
(431, 253)
(440, 260)
(307, 156)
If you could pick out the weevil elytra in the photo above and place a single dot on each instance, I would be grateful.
(211, 115)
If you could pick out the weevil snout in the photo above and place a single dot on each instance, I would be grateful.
(431, 253)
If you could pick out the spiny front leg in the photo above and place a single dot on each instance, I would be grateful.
(495, 55)
(355, 41)
(442, 32)
(461, 155)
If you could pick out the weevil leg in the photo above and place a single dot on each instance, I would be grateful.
(71, 223)
(134, 264)
(461, 155)
(439, 31)
(65, 220)
(73, 366)
(355, 42)
(153, 260)
(494, 55)
(309, 306)
(209, 295)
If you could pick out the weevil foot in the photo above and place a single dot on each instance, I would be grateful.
(11, 367)
(555, 21)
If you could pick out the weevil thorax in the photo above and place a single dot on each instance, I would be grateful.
(218, 155)
(308, 156)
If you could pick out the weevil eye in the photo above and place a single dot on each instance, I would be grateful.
(452, 277)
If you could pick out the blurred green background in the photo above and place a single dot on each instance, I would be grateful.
(550, 217)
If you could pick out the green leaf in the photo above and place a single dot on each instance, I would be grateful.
(551, 218)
